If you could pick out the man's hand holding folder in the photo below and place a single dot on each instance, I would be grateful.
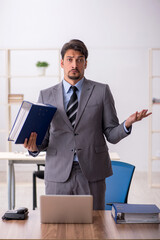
(30, 143)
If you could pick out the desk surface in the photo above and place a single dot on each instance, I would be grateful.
(26, 157)
(20, 156)
(103, 227)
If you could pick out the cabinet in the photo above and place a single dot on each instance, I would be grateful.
(154, 120)
(19, 80)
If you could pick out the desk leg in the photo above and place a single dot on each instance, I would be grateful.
(9, 184)
(13, 187)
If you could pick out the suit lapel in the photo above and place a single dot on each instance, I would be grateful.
(58, 95)
(87, 89)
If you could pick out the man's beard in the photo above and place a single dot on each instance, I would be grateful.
(72, 77)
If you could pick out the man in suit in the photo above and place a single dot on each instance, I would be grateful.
(77, 158)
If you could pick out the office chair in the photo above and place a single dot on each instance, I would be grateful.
(39, 174)
(118, 185)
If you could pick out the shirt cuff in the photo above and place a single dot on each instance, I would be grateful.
(33, 154)
(127, 130)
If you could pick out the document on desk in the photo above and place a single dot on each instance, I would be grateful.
(31, 117)
(135, 213)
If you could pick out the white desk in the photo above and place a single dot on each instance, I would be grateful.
(23, 158)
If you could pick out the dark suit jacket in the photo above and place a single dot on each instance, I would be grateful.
(96, 119)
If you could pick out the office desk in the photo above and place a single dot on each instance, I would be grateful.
(23, 158)
(103, 227)
(17, 158)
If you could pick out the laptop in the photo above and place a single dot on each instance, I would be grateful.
(66, 208)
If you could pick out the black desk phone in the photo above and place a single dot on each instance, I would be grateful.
(19, 214)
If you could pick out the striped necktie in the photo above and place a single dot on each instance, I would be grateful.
(72, 106)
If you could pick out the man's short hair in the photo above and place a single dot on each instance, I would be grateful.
(76, 45)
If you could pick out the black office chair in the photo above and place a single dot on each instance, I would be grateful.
(39, 174)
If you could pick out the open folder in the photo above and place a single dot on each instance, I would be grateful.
(135, 213)
(32, 117)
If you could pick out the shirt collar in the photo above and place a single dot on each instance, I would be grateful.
(67, 85)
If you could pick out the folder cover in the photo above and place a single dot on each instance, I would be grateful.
(32, 117)
(135, 213)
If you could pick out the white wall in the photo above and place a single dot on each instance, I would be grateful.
(117, 33)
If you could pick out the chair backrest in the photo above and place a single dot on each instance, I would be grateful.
(40, 165)
(117, 186)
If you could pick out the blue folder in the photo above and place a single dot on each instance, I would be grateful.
(32, 117)
(135, 213)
